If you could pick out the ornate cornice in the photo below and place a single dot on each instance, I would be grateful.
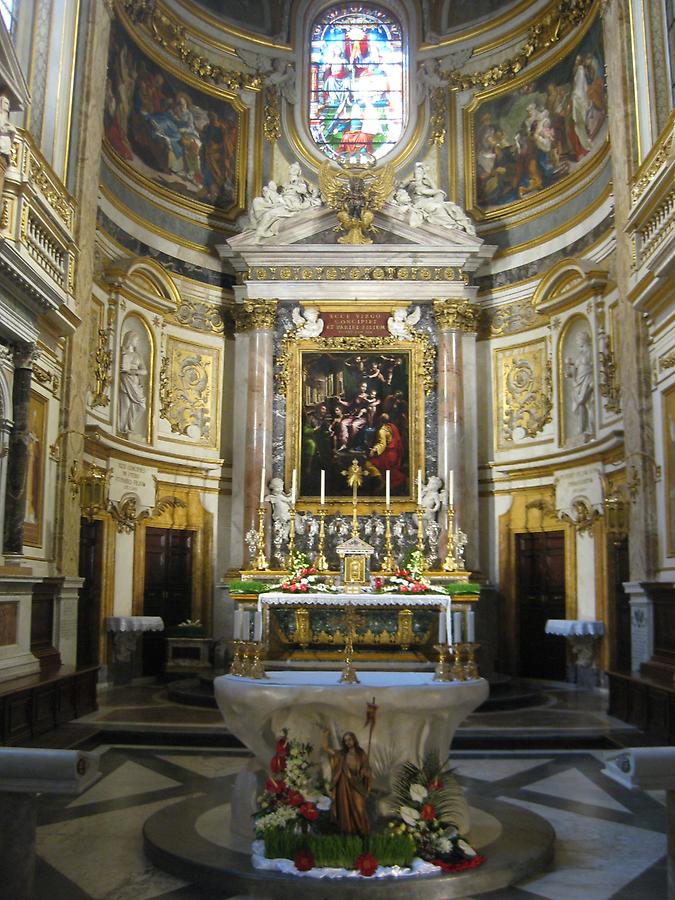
(553, 26)
(456, 315)
(255, 315)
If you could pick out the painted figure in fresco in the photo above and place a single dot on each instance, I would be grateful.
(387, 452)
(351, 781)
(580, 371)
(132, 388)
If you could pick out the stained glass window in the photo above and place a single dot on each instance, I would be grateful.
(356, 81)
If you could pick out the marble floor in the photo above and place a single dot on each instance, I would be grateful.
(610, 842)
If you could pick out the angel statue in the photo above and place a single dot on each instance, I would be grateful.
(309, 325)
(400, 322)
(274, 72)
(422, 201)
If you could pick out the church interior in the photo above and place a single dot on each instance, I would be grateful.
(436, 463)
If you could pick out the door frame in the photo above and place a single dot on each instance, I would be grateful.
(532, 509)
(182, 510)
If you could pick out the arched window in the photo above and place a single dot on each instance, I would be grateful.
(356, 96)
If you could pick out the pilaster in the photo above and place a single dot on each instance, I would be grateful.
(641, 624)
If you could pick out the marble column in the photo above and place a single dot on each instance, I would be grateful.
(456, 319)
(260, 316)
(17, 457)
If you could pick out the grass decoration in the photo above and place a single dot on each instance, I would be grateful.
(249, 587)
(335, 851)
(461, 587)
(392, 849)
(281, 843)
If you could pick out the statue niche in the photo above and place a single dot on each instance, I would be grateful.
(134, 380)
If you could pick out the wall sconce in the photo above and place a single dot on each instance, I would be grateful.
(616, 515)
(92, 483)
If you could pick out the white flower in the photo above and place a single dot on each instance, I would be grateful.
(323, 803)
(443, 845)
(409, 815)
(418, 792)
(467, 849)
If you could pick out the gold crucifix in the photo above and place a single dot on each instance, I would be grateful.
(351, 620)
(354, 476)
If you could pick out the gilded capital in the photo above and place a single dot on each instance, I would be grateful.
(456, 315)
(255, 315)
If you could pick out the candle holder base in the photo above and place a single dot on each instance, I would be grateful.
(321, 563)
(470, 667)
(236, 667)
(258, 666)
(348, 674)
(457, 667)
(442, 671)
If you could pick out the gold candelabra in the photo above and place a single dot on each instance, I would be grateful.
(441, 672)
(291, 533)
(470, 667)
(458, 673)
(450, 561)
(257, 670)
(348, 674)
(321, 563)
(420, 529)
(237, 667)
(388, 561)
(260, 562)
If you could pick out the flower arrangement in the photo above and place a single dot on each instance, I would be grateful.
(431, 806)
(303, 578)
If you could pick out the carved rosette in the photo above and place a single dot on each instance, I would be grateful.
(527, 396)
(255, 315)
(456, 315)
(186, 393)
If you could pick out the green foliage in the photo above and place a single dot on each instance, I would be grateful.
(249, 587)
(392, 849)
(335, 851)
(281, 843)
(448, 799)
(462, 587)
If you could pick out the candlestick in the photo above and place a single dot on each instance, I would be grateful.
(420, 529)
(323, 487)
(387, 487)
(441, 672)
(257, 665)
(470, 667)
(388, 561)
(294, 479)
(451, 488)
(262, 485)
(291, 531)
(348, 674)
(260, 562)
(321, 563)
(419, 487)
(237, 662)
(450, 562)
(458, 673)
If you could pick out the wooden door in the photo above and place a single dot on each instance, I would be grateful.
(167, 588)
(540, 594)
(89, 602)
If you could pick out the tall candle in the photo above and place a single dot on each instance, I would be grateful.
(470, 627)
(448, 623)
(442, 628)
(387, 487)
(419, 487)
(262, 485)
(245, 632)
(451, 488)
(236, 630)
(323, 486)
(257, 626)
(457, 627)
(294, 479)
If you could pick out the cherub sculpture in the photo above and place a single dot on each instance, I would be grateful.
(400, 323)
(309, 325)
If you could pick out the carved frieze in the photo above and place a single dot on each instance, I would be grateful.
(356, 273)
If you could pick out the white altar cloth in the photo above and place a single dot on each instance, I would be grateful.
(575, 627)
(409, 601)
(134, 623)
(415, 714)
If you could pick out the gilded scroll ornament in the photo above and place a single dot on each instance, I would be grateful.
(527, 395)
(656, 160)
(101, 370)
(607, 376)
(553, 26)
(199, 316)
(186, 390)
(583, 516)
(271, 113)
(667, 361)
(456, 315)
(125, 514)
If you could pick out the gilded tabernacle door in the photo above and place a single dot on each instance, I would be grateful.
(355, 398)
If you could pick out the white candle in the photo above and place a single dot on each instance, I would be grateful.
(257, 626)
(448, 623)
(419, 487)
(236, 629)
(457, 627)
(442, 628)
(262, 485)
(245, 631)
(470, 627)
(387, 487)
(323, 487)
(451, 488)
(294, 479)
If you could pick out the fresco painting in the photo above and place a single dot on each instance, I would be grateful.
(355, 406)
(535, 135)
(356, 100)
(176, 136)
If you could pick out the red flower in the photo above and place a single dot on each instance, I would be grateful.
(282, 747)
(461, 866)
(293, 587)
(304, 860)
(435, 785)
(303, 587)
(278, 764)
(428, 812)
(309, 811)
(377, 584)
(366, 864)
(295, 798)
(274, 787)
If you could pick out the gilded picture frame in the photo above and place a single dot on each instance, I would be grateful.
(357, 398)
(35, 470)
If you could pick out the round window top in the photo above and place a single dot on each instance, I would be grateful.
(356, 97)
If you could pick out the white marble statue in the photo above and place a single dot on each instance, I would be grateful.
(275, 72)
(429, 78)
(7, 130)
(309, 325)
(400, 322)
(281, 202)
(132, 384)
(423, 202)
(433, 498)
(580, 372)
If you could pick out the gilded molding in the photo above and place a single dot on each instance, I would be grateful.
(168, 32)
(188, 379)
(510, 319)
(199, 316)
(271, 113)
(101, 370)
(125, 515)
(437, 116)
(554, 25)
(356, 273)
(255, 315)
(456, 315)
(527, 393)
(654, 162)
(667, 361)
(583, 517)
